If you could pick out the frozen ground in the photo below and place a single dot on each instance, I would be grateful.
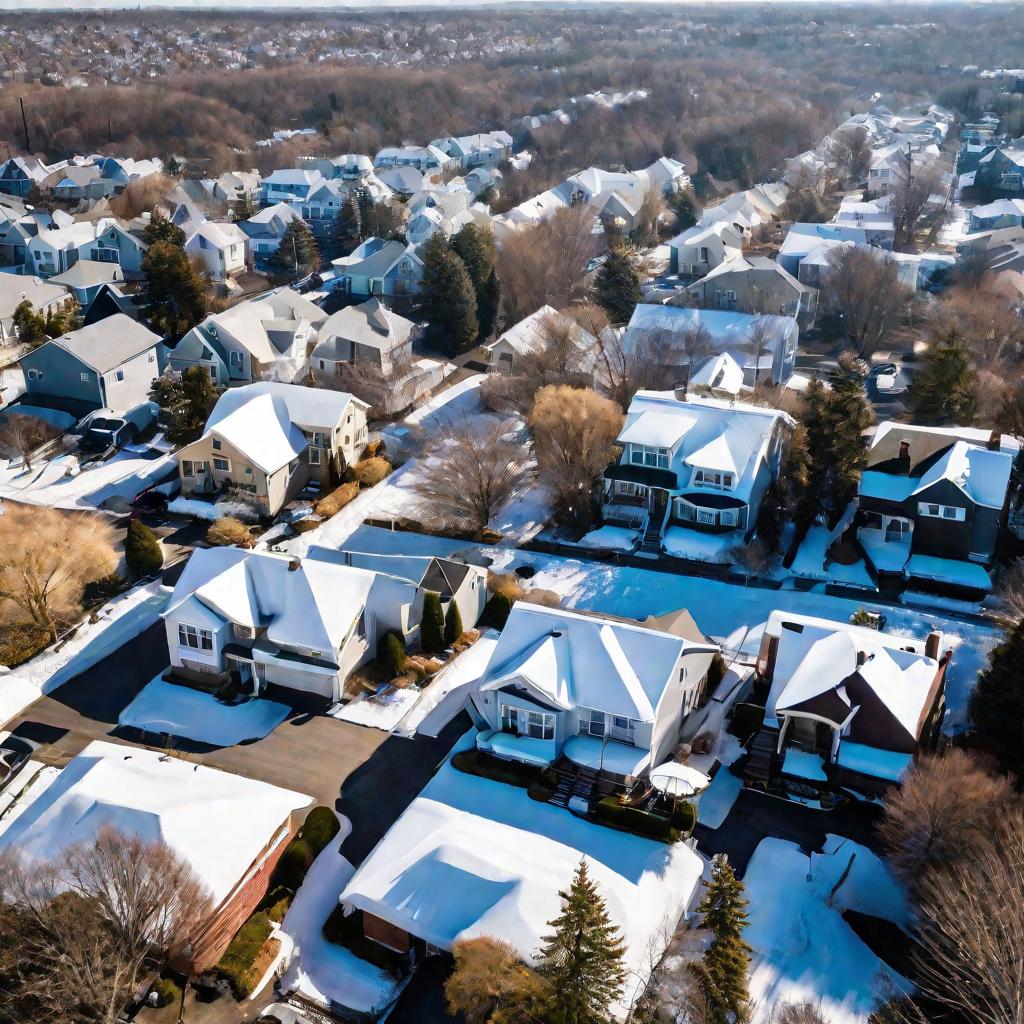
(731, 612)
(715, 803)
(207, 510)
(117, 623)
(168, 708)
(803, 949)
(368, 710)
(811, 557)
(48, 483)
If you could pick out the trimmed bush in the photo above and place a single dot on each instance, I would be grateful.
(237, 962)
(292, 867)
(369, 472)
(432, 624)
(475, 762)
(142, 551)
(452, 623)
(336, 500)
(632, 819)
(319, 828)
(391, 654)
(684, 817)
(497, 611)
(167, 992)
(228, 531)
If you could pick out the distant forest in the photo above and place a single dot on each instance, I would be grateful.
(734, 90)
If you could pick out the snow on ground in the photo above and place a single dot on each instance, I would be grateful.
(205, 510)
(810, 560)
(715, 803)
(731, 612)
(48, 483)
(611, 538)
(371, 711)
(701, 547)
(317, 968)
(803, 949)
(163, 707)
(449, 691)
(117, 623)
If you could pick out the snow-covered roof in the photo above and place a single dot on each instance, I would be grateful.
(982, 475)
(219, 823)
(108, 343)
(87, 273)
(719, 373)
(571, 660)
(371, 324)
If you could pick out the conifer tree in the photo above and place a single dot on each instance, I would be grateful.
(448, 300)
(997, 707)
(617, 285)
(722, 972)
(160, 229)
(175, 291)
(185, 403)
(452, 623)
(582, 957)
(475, 247)
(432, 624)
(142, 551)
(298, 253)
(944, 389)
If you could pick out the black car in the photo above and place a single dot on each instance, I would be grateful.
(13, 754)
(150, 500)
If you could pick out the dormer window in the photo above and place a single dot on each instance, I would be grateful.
(713, 478)
(642, 455)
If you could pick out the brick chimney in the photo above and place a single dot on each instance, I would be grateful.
(931, 644)
(995, 441)
(294, 564)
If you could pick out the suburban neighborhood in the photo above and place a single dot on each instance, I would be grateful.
(512, 516)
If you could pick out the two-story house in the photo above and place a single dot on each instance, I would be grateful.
(700, 249)
(369, 333)
(288, 184)
(932, 501)
(43, 296)
(221, 247)
(847, 705)
(266, 442)
(386, 269)
(693, 471)
(604, 693)
(265, 230)
(20, 174)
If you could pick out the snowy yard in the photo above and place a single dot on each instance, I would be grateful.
(376, 713)
(715, 803)
(810, 560)
(803, 949)
(164, 707)
(611, 538)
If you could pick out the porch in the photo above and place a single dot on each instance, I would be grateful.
(517, 747)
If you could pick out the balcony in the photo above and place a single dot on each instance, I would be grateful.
(631, 516)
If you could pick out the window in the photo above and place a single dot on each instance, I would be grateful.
(190, 468)
(194, 637)
(248, 471)
(119, 375)
(222, 465)
(84, 376)
(630, 490)
(951, 512)
(235, 359)
(537, 725)
(314, 456)
(710, 478)
(318, 440)
(35, 374)
(592, 722)
(216, 444)
(641, 455)
(704, 254)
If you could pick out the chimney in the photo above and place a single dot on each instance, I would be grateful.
(995, 441)
(862, 657)
(294, 564)
(904, 449)
(931, 644)
(680, 392)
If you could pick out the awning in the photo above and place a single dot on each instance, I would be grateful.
(650, 476)
(678, 780)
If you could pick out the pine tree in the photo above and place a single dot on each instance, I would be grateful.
(160, 229)
(582, 957)
(175, 291)
(997, 708)
(488, 304)
(448, 301)
(298, 253)
(722, 971)
(944, 389)
(185, 403)
(475, 247)
(432, 624)
(452, 623)
(142, 551)
(617, 285)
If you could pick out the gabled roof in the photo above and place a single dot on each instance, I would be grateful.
(106, 345)
(983, 476)
(371, 324)
(88, 273)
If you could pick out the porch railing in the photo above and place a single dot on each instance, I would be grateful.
(630, 516)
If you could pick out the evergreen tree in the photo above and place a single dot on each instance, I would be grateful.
(185, 403)
(848, 377)
(617, 285)
(722, 972)
(380, 220)
(347, 230)
(944, 389)
(160, 229)
(452, 623)
(30, 325)
(685, 208)
(448, 301)
(997, 708)
(142, 551)
(475, 247)
(175, 291)
(582, 957)
(432, 624)
(298, 253)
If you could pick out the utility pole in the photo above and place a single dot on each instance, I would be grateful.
(24, 124)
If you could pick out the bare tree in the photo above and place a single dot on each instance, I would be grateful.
(490, 983)
(797, 1013)
(22, 434)
(47, 558)
(753, 557)
(944, 805)
(865, 285)
(78, 931)
(909, 200)
(385, 393)
(760, 334)
(970, 929)
(471, 470)
(574, 432)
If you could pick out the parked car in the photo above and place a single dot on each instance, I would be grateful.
(13, 754)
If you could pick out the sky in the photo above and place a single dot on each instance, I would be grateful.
(25, 5)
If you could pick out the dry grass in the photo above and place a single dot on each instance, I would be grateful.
(334, 502)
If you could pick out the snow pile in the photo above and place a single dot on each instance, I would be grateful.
(210, 511)
(164, 707)
(810, 560)
(376, 712)
(803, 949)
(700, 547)
(715, 803)
(611, 538)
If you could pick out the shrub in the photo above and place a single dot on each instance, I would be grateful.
(19, 642)
(374, 449)
(319, 828)
(497, 611)
(475, 762)
(276, 902)
(227, 531)
(167, 992)
(237, 962)
(142, 551)
(432, 624)
(452, 623)
(704, 742)
(506, 583)
(347, 930)
(391, 654)
(539, 791)
(632, 819)
(369, 471)
(716, 673)
(684, 817)
(292, 867)
(336, 500)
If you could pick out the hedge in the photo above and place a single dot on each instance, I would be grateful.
(497, 611)
(142, 551)
(336, 500)
(276, 903)
(292, 867)
(347, 931)
(632, 819)
(475, 762)
(369, 472)
(452, 623)
(391, 654)
(432, 624)
(237, 962)
(684, 818)
(319, 828)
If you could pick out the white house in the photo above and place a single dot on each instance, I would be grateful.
(605, 694)
(700, 249)
(367, 333)
(43, 296)
(266, 228)
(288, 184)
(536, 331)
(222, 247)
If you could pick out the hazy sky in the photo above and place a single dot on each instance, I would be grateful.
(23, 5)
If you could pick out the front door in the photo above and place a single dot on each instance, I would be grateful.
(658, 501)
